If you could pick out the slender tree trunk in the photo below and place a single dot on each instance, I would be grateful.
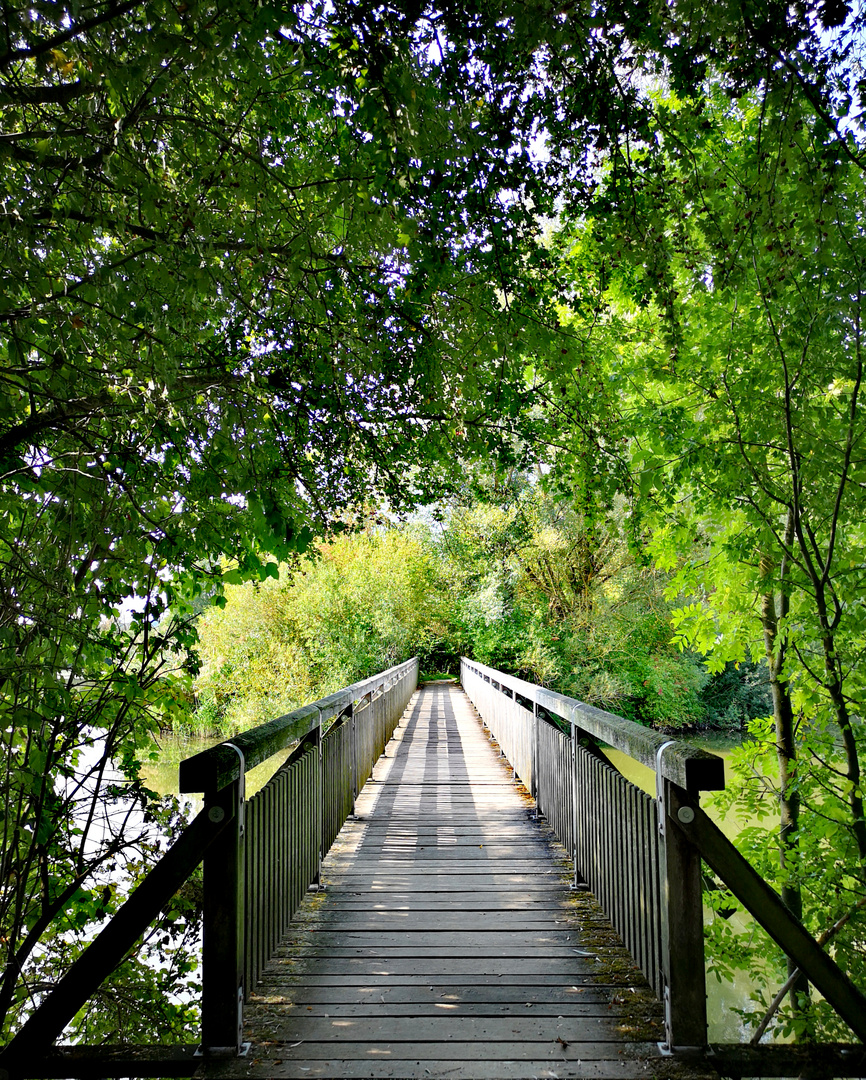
(786, 749)
(833, 686)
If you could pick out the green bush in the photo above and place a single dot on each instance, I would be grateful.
(362, 603)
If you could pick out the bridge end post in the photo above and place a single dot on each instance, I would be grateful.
(223, 927)
(682, 930)
(534, 788)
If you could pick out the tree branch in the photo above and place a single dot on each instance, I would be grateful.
(14, 55)
(792, 978)
(46, 95)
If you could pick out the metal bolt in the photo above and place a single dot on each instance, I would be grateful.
(216, 814)
(686, 815)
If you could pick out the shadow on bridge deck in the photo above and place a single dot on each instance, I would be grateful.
(447, 941)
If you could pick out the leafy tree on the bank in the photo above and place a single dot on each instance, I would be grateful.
(741, 424)
(356, 605)
(544, 593)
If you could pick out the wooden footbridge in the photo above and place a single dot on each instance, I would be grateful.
(418, 894)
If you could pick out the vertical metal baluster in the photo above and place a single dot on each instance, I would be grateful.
(249, 905)
(293, 839)
(631, 870)
(258, 856)
(270, 859)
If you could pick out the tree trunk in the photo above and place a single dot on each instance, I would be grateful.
(833, 686)
(786, 751)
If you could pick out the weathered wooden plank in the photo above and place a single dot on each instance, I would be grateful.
(526, 1028)
(522, 955)
(542, 1049)
(460, 874)
(440, 1025)
(416, 827)
(278, 1069)
(383, 1006)
(494, 995)
(484, 840)
(438, 937)
(472, 922)
(443, 860)
(349, 900)
(288, 976)
(496, 880)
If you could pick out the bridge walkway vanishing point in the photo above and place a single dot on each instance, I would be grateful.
(446, 940)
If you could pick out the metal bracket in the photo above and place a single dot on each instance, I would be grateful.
(222, 1051)
(660, 788)
(666, 1050)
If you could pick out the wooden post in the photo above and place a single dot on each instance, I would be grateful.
(534, 789)
(684, 973)
(320, 802)
(223, 925)
(575, 819)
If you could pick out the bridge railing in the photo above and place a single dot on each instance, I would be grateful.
(260, 856)
(257, 874)
(640, 855)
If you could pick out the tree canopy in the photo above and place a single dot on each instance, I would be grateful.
(267, 268)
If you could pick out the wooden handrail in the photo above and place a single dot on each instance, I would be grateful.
(215, 768)
(768, 909)
(687, 766)
(112, 944)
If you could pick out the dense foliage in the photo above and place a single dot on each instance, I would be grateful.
(737, 411)
(251, 274)
(357, 605)
(267, 268)
(509, 575)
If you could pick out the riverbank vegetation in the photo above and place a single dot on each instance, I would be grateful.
(271, 272)
(510, 576)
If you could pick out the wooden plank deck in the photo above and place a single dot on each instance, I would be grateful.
(447, 941)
